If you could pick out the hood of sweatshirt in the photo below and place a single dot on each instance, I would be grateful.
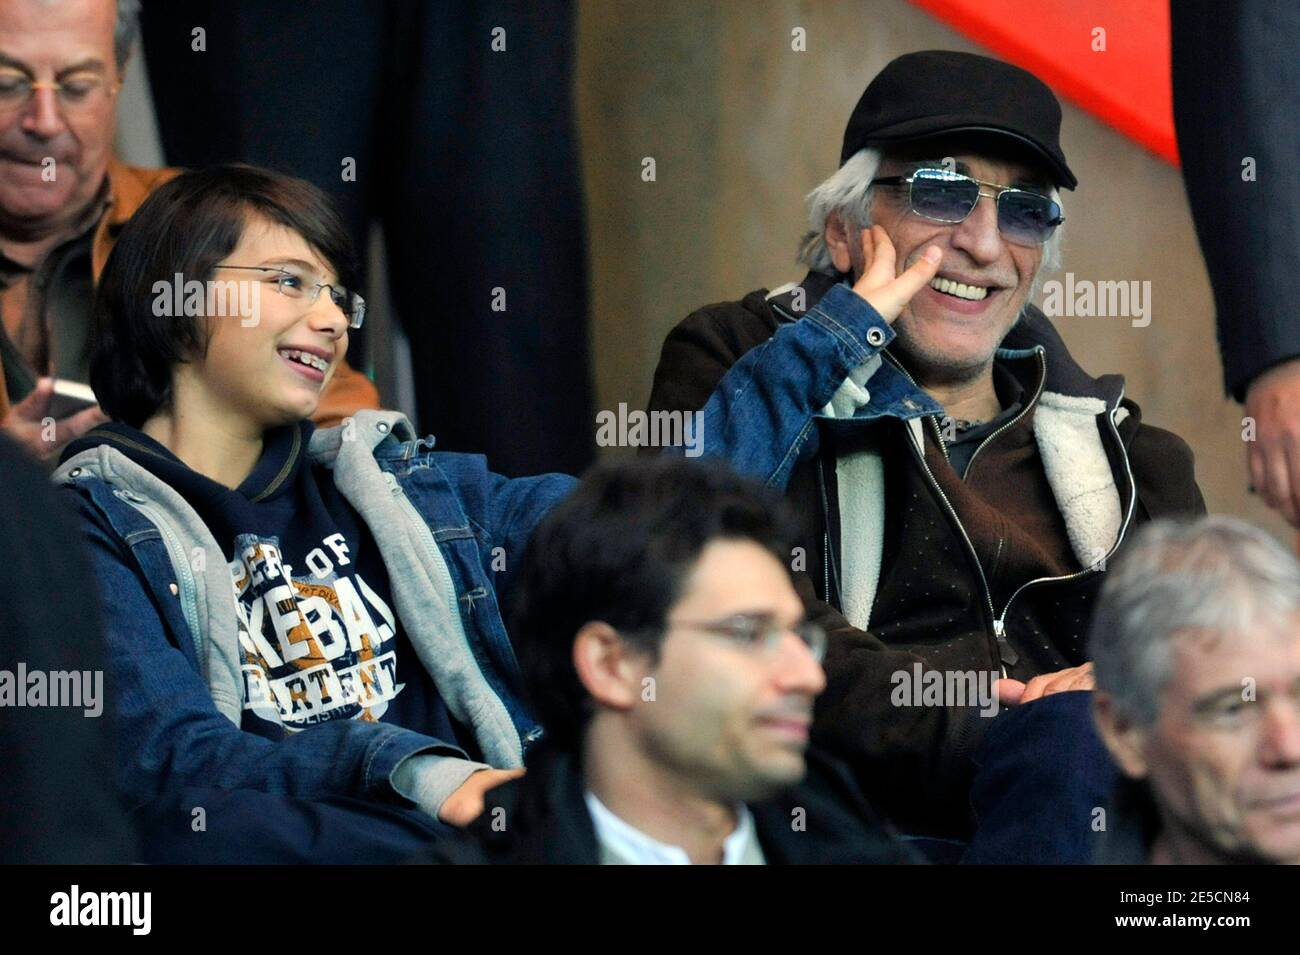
(264, 502)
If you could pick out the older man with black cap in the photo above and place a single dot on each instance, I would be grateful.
(965, 487)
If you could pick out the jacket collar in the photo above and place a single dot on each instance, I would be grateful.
(369, 429)
(128, 187)
(125, 194)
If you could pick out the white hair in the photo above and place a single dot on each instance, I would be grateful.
(848, 192)
(1215, 574)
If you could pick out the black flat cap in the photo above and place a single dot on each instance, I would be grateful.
(919, 95)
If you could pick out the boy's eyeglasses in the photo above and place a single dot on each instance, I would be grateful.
(1024, 217)
(293, 283)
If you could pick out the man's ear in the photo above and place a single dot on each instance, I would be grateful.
(608, 667)
(843, 243)
(1123, 738)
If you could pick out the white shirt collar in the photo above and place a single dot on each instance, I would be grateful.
(628, 842)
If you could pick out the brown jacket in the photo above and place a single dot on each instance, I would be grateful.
(951, 555)
(129, 186)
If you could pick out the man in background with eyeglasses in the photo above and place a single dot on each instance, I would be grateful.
(667, 655)
(966, 486)
(63, 198)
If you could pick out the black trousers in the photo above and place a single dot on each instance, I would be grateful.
(465, 155)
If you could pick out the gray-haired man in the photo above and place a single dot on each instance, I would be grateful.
(1196, 644)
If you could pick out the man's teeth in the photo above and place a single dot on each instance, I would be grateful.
(972, 292)
(311, 361)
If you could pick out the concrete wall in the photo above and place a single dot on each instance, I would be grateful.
(741, 127)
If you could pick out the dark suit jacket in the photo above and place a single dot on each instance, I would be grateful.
(1236, 73)
(546, 821)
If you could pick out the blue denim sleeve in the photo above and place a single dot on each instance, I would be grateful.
(170, 734)
(515, 508)
(761, 417)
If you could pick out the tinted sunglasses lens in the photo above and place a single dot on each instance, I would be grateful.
(1027, 218)
(942, 196)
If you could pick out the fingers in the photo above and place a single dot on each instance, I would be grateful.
(460, 811)
(499, 777)
(887, 293)
(1080, 678)
(1255, 469)
(917, 276)
(1010, 692)
(1034, 689)
(878, 254)
(1276, 489)
(1273, 458)
(1062, 681)
(37, 404)
(1291, 492)
(74, 426)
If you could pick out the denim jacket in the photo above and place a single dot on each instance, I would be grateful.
(450, 532)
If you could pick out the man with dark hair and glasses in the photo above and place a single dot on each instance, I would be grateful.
(966, 485)
(666, 651)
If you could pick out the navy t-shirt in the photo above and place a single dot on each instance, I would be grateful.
(318, 635)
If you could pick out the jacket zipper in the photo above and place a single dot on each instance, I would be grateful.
(1042, 381)
(1003, 647)
(1006, 652)
(1000, 623)
(826, 569)
(826, 539)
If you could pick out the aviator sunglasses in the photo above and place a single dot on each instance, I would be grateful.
(1024, 217)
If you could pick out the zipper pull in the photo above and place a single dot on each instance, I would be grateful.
(1005, 650)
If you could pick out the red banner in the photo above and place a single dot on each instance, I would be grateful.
(1110, 57)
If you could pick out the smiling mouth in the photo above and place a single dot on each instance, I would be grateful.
(790, 726)
(970, 293)
(1285, 803)
(304, 358)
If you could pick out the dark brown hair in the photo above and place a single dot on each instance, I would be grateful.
(186, 227)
